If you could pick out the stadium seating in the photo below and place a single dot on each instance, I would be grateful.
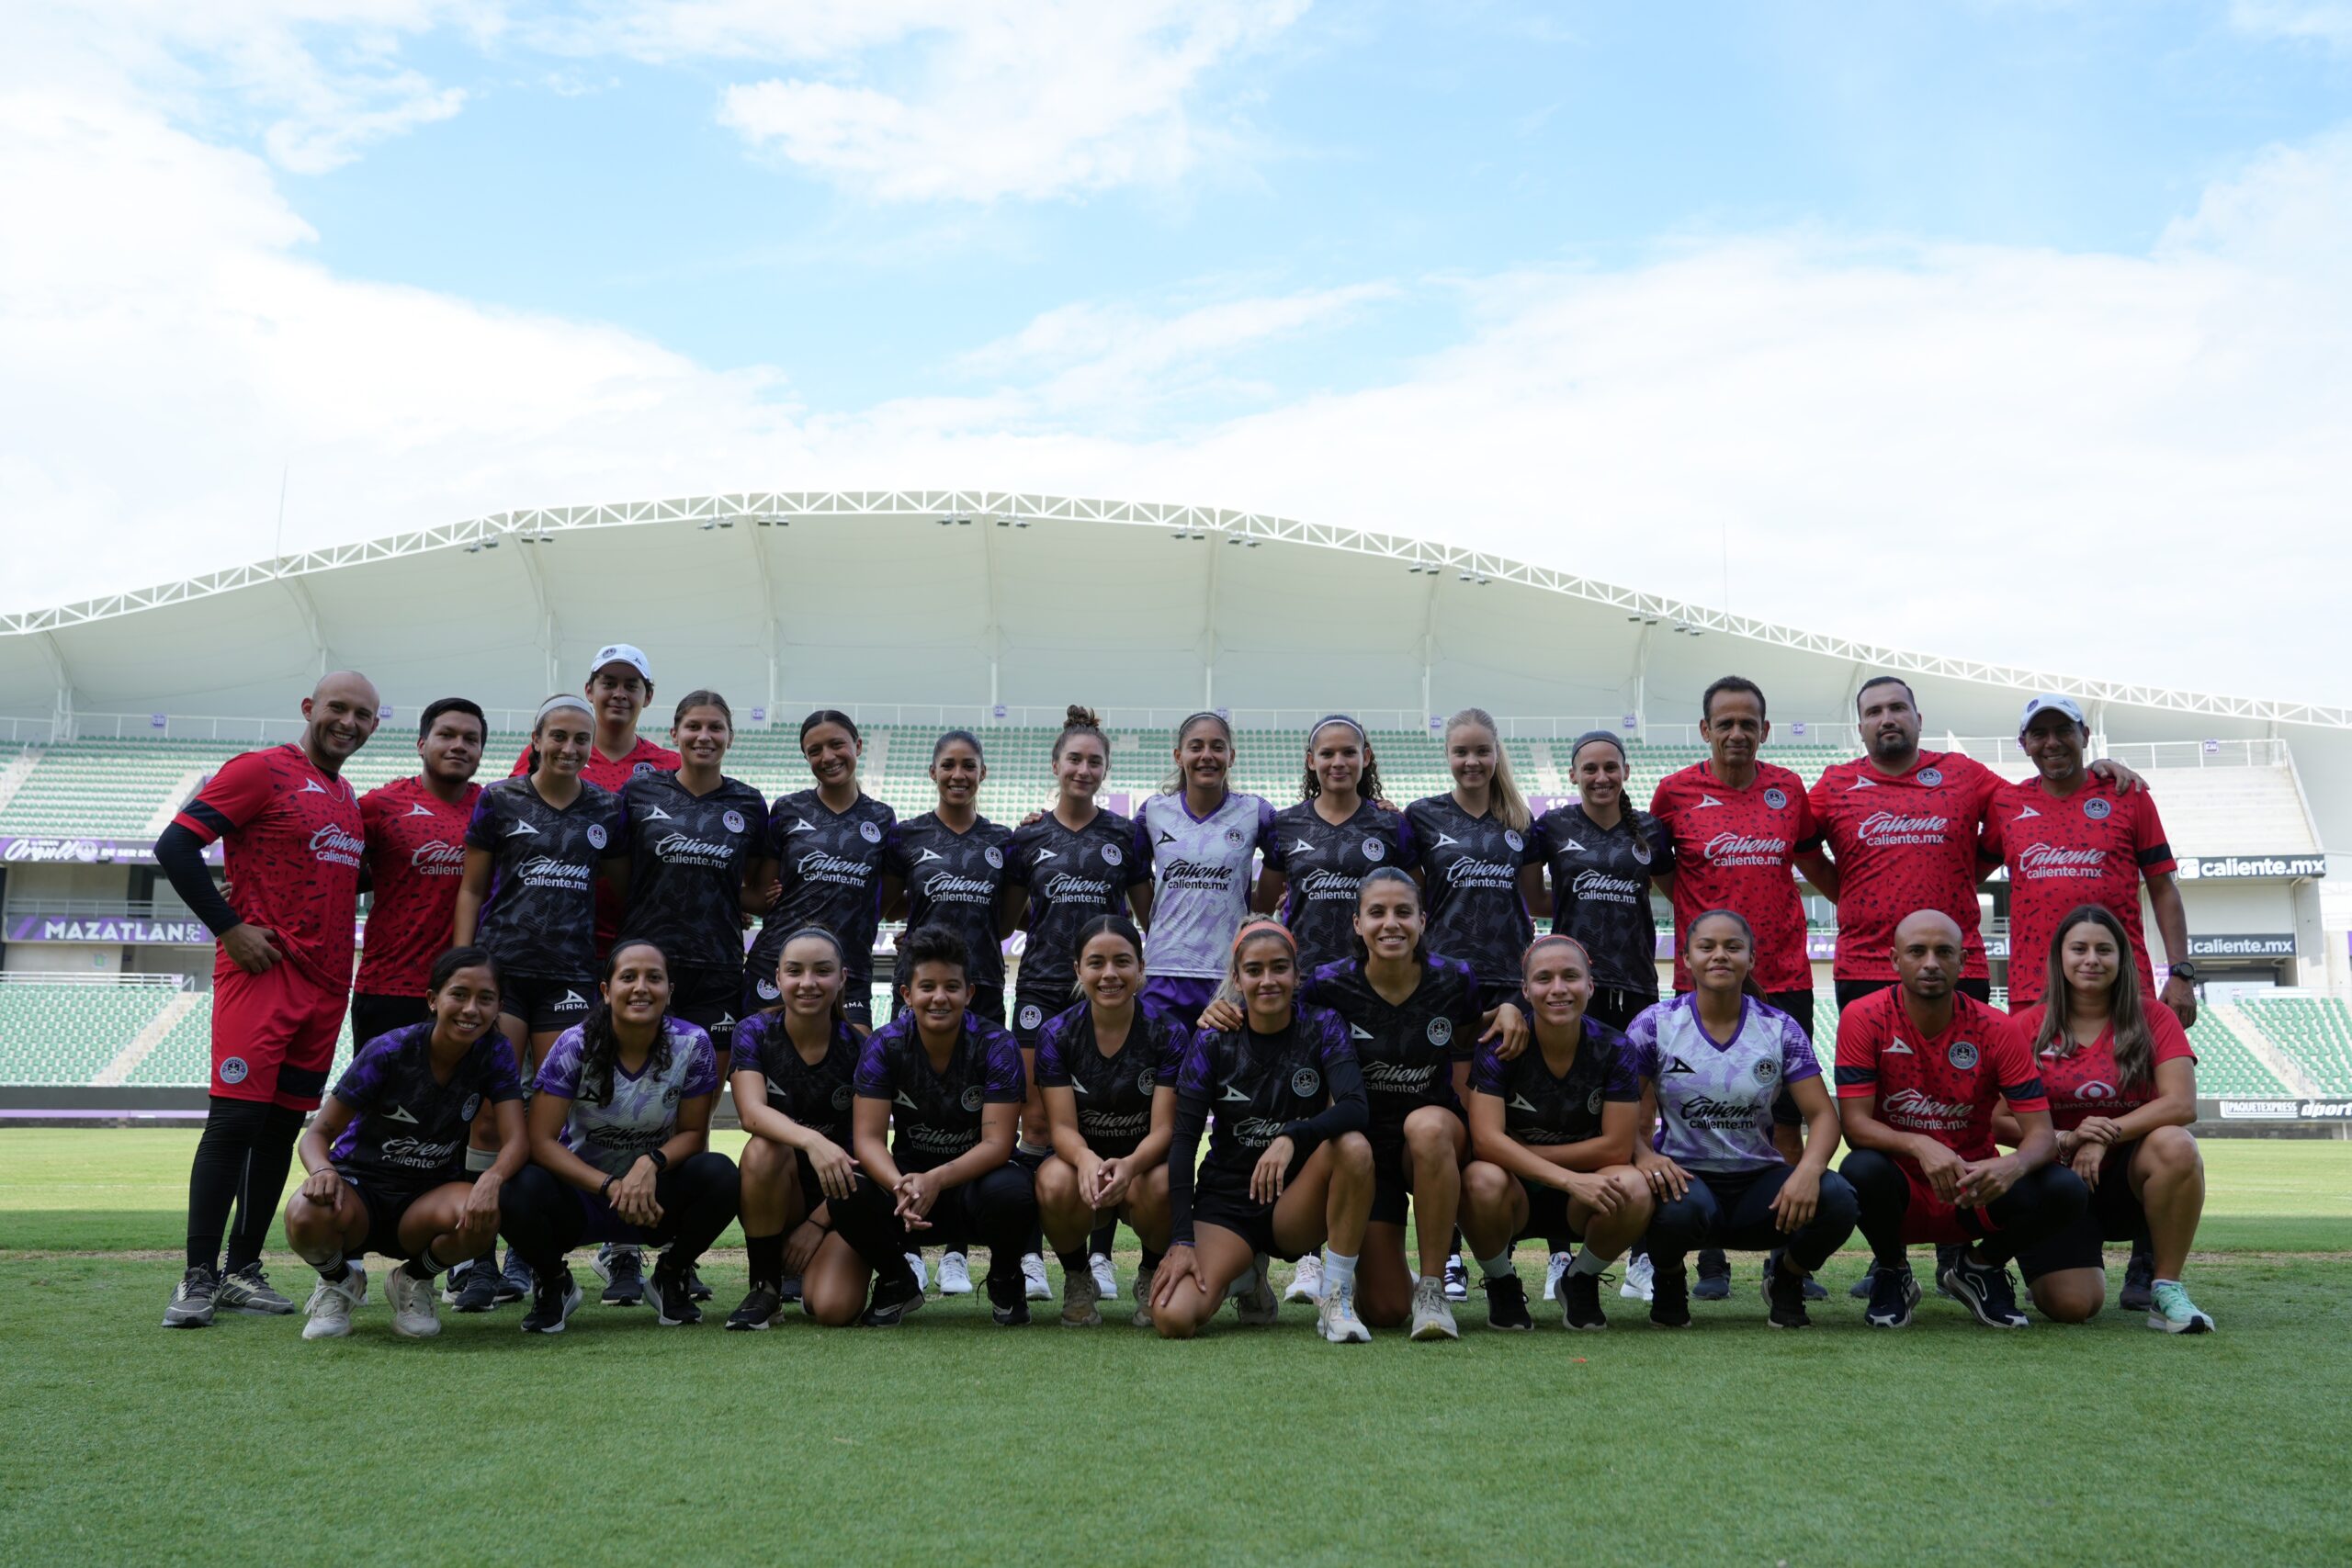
(67, 1034)
(2316, 1031)
(2224, 1065)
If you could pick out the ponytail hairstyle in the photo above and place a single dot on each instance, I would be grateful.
(1367, 781)
(1748, 986)
(1391, 874)
(1509, 806)
(831, 716)
(966, 736)
(600, 1042)
(1174, 783)
(1229, 989)
(458, 958)
(1116, 925)
(706, 699)
(2135, 1042)
(1081, 721)
(555, 704)
(840, 957)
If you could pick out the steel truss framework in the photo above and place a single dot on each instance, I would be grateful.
(774, 508)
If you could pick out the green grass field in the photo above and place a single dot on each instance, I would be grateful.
(953, 1439)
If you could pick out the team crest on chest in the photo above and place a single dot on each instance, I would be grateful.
(1510, 837)
(843, 1095)
(466, 1111)
(1765, 1071)
(1146, 1082)
(870, 831)
(1372, 849)
(1111, 855)
(734, 820)
(972, 1098)
(1961, 1054)
(1776, 797)
(596, 835)
(1931, 777)
(1440, 1032)
(2097, 809)
(994, 856)
(1306, 1083)
(1234, 836)
(1592, 1104)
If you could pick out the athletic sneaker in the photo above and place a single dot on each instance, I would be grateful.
(2174, 1312)
(1033, 1284)
(672, 1297)
(1432, 1318)
(1860, 1288)
(1080, 1292)
(1715, 1278)
(478, 1292)
(1014, 1314)
(1986, 1291)
(553, 1300)
(1893, 1293)
(623, 1271)
(1947, 1254)
(1336, 1319)
(247, 1289)
(1107, 1276)
(1785, 1293)
(922, 1277)
(1669, 1296)
(515, 1281)
(955, 1274)
(1306, 1280)
(695, 1287)
(191, 1304)
(1580, 1302)
(759, 1310)
(788, 1291)
(331, 1303)
(1815, 1291)
(415, 1315)
(1639, 1273)
(1507, 1303)
(1255, 1304)
(895, 1301)
(1144, 1279)
(2139, 1283)
(1553, 1268)
(1457, 1279)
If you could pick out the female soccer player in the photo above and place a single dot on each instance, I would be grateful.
(1288, 1167)
(1108, 1066)
(1470, 844)
(948, 1084)
(620, 1144)
(1555, 1129)
(1203, 840)
(1601, 854)
(947, 866)
(1711, 1061)
(825, 849)
(387, 1154)
(2122, 1087)
(693, 868)
(795, 1076)
(1320, 849)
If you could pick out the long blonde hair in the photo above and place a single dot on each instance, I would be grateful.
(1509, 806)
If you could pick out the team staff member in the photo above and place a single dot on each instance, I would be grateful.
(2070, 836)
(947, 866)
(2122, 1087)
(386, 1154)
(1202, 839)
(1920, 1069)
(1600, 855)
(1320, 849)
(824, 847)
(416, 829)
(293, 838)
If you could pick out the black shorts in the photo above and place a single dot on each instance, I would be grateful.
(2113, 1214)
(372, 1016)
(386, 1206)
(1392, 1173)
(1030, 1012)
(1548, 1214)
(1225, 1201)
(1617, 1006)
(546, 1003)
(1493, 994)
(707, 997)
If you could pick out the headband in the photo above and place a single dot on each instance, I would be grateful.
(1329, 719)
(1588, 737)
(554, 703)
(1264, 926)
(1547, 938)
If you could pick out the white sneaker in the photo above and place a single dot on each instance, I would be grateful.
(1142, 1318)
(1457, 1279)
(1033, 1278)
(914, 1261)
(1336, 1319)
(1255, 1304)
(1552, 1272)
(955, 1274)
(1638, 1275)
(1432, 1319)
(1107, 1277)
(1306, 1279)
(414, 1315)
(330, 1306)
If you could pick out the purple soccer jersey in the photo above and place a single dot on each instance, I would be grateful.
(1714, 1099)
(409, 1130)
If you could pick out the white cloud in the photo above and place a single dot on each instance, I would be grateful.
(2320, 21)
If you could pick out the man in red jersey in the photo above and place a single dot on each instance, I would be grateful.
(1920, 1068)
(292, 834)
(2070, 836)
(416, 846)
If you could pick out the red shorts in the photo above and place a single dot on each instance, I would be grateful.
(273, 1036)
(1930, 1219)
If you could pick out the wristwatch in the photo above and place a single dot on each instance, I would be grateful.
(2185, 970)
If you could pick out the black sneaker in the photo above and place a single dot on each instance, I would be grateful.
(1507, 1303)
(1785, 1293)
(1010, 1306)
(2139, 1283)
(1715, 1278)
(1986, 1290)
(1947, 1255)
(515, 1281)
(759, 1310)
(1580, 1302)
(1893, 1293)
(788, 1291)
(1669, 1294)
(247, 1289)
(1815, 1291)
(674, 1303)
(478, 1292)
(623, 1271)
(191, 1304)
(1860, 1288)
(894, 1300)
(695, 1287)
(553, 1300)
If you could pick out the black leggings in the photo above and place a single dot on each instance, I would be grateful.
(997, 1209)
(1734, 1209)
(2043, 1202)
(241, 1162)
(542, 1218)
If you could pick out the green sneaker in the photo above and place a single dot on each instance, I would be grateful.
(2174, 1312)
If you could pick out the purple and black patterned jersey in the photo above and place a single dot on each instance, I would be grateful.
(1601, 889)
(686, 855)
(816, 1094)
(830, 866)
(1323, 867)
(1259, 1087)
(936, 1116)
(954, 880)
(1406, 1049)
(1542, 1107)
(1470, 870)
(409, 1130)
(1072, 878)
(1113, 1092)
(540, 916)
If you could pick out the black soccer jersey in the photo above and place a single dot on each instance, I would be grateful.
(410, 1132)
(936, 1116)
(830, 866)
(817, 1094)
(540, 917)
(954, 880)
(687, 854)
(1323, 867)
(1601, 889)
(1259, 1086)
(1072, 878)
(1539, 1107)
(1470, 865)
(1113, 1092)
(1406, 1049)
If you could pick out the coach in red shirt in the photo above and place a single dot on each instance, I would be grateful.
(416, 829)
(290, 827)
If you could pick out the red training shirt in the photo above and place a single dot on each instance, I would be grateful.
(416, 852)
(1942, 1086)
(2084, 1082)
(2090, 847)
(1735, 849)
(1903, 844)
(292, 836)
(605, 773)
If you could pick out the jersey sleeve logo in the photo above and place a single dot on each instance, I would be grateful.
(232, 1069)
(870, 831)
(1111, 855)
(596, 835)
(1931, 777)
(1306, 1083)
(1440, 1032)
(1961, 1054)
(2097, 809)
(994, 856)
(1776, 797)
(766, 990)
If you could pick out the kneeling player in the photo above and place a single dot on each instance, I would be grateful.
(387, 1154)
(1920, 1068)
(1553, 1132)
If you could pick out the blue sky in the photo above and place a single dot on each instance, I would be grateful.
(1853, 282)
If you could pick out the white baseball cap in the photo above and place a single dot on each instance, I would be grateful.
(2041, 701)
(621, 653)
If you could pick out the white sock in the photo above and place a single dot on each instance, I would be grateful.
(1588, 1262)
(1338, 1270)
(1498, 1267)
